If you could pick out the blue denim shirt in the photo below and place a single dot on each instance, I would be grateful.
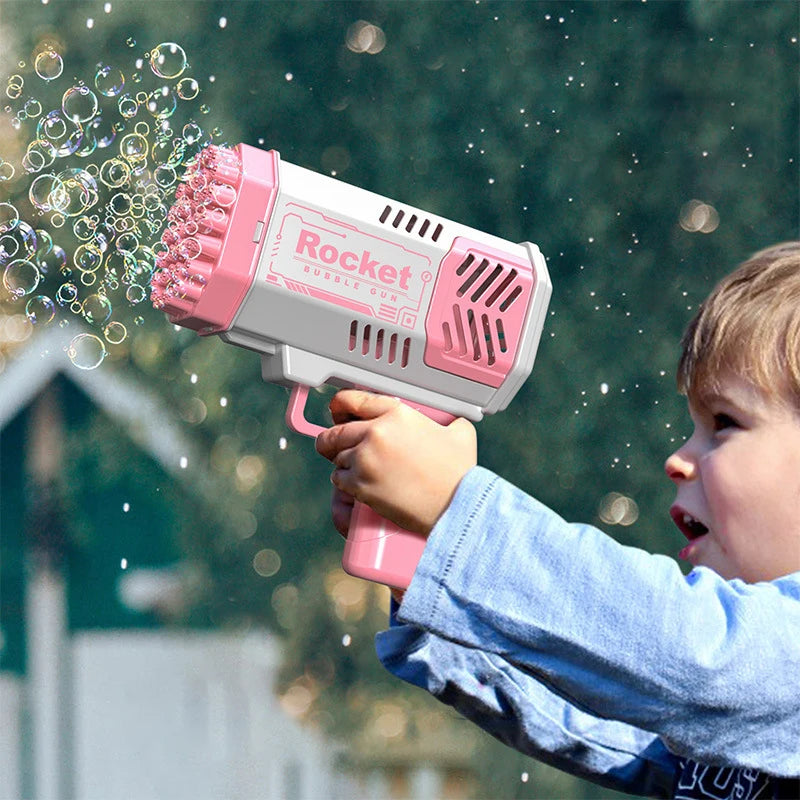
(600, 659)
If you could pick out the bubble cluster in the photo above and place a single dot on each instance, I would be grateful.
(88, 171)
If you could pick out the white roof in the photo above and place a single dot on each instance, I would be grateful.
(146, 419)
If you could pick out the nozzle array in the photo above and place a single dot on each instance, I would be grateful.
(196, 226)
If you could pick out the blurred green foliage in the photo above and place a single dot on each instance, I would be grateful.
(586, 127)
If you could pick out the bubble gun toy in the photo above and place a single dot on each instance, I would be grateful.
(334, 284)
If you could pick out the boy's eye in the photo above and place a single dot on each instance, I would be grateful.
(723, 421)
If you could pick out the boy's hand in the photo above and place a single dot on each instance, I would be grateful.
(396, 460)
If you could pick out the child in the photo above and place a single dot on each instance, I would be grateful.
(603, 660)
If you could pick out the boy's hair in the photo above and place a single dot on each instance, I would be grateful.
(750, 326)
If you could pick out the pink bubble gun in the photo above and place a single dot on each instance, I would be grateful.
(333, 284)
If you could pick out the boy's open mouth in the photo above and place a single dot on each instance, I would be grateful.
(690, 527)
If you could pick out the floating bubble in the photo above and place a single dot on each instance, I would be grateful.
(115, 332)
(41, 191)
(128, 106)
(53, 262)
(48, 65)
(32, 108)
(135, 294)
(86, 351)
(79, 103)
(67, 294)
(40, 154)
(40, 310)
(164, 175)
(65, 135)
(88, 257)
(74, 193)
(7, 170)
(109, 81)
(96, 309)
(168, 60)
(162, 103)
(115, 173)
(19, 242)
(133, 147)
(21, 277)
(187, 88)
(9, 217)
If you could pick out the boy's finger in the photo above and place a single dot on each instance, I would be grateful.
(332, 441)
(350, 403)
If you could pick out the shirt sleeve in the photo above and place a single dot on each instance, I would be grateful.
(523, 713)
(709, 666)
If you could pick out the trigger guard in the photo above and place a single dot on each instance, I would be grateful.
(295, 413)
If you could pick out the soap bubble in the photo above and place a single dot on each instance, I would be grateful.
(168, 60)
(40, 310)
(162, 103)
(96, 309)
(109, 81)
(79, 103)
(9, 217)
(86, 351)
(67, 294)
(48, 65)
(74, 192)
(21, 277)
(115, 332)
(187, 88)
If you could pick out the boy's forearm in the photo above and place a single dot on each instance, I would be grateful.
(618, 629)
(522, 712)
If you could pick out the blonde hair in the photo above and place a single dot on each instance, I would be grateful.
(749, 325)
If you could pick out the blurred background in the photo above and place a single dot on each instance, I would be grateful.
(174, 621)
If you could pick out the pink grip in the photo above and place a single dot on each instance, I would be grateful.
(379, 550)
(376, 549)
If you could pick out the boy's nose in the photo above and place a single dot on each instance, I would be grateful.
(680, 467)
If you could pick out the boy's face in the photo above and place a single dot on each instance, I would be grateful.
(738, 482)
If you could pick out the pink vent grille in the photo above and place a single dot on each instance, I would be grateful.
(476, 318)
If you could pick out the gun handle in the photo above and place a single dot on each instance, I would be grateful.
(376, 549)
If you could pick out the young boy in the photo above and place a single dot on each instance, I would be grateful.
(603, 660)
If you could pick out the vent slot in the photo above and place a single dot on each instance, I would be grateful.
(474, 337)
(368, 342)
(494, 284)
(400, 214)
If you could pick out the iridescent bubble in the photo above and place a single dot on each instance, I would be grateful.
(109, 81)
(86, 351)
(62, 132)
(115, 332)
(133, 147)
(130, 41)
(41, 191)
(32, 108)
(192, 132)
(67, 294)
(40, 310)
(102, 131)
(115, 173)
(164, 175)
(79, 103)
(20, 242)
(21, 277)
(96, 309)
(84, 227)
(135, 294)
(75, 192)
(187, 88)
(128, 107)
(168, 60)
(40, 154)
(53, 262)
(88, 257)
(6, 170)
(48, 65)
(162, 103)
(9, 217)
